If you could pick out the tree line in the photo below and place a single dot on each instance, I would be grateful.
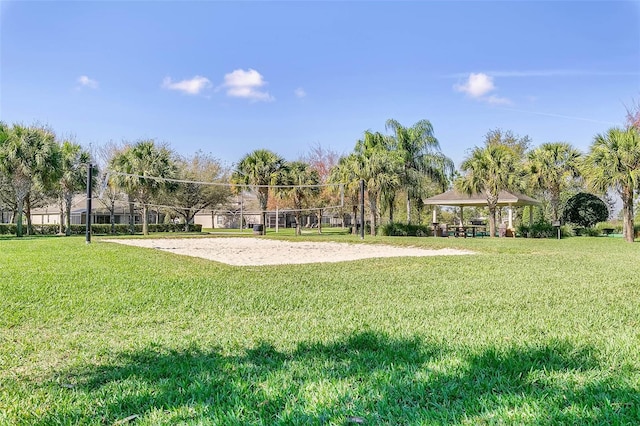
(400, 167)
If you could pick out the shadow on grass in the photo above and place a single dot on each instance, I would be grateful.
(367, 378)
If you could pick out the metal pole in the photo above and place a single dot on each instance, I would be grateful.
(362, 209)
(89, 179)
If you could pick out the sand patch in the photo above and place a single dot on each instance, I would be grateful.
(257, 251)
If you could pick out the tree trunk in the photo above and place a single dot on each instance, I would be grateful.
(132, 219)
(28, 212)
(627, 215)
(354, 218)
(112, 216)
(264, 222)
(408, 209)
(21, 187)
(298, 220)
(189, 217)
(61, 224)
(67, 206)
(555, 204)
(20, 202)
(374, 213)
(319, 216)
(492, 221)
(145, 219)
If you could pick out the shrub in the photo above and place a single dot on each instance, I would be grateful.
(99, 228)
(585, 210)
(592, 232)
(523, 230)
(542, 229)
(404, 230)
(7, 228)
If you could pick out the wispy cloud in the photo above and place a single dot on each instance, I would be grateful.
(190, 87)
(300, 93)
(246, 84)
(85, 81)
(548, 114)
(497, 100)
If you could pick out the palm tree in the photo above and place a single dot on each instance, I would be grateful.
(551, 168)
(346, 173)
(123, 177)
(379, 168)
(421, 156)
(259, 169)
(613, 162)
(29, 157)
(73, 180)
(490, 170)
(299, 182)
(141, 170)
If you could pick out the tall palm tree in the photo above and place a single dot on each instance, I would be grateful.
(298, 182)
(122, 164)
(142, 168)
(421, 156)
(74, 164)
(259, 170)
(29, 157)
(613, 162)
(551, 168)
(489, 170)
(379, 168)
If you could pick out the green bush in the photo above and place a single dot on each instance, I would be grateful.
(522, 230)
(592, 232)
(585, 210)
(403, 230)
(98, 228)
(543, 229)
(7, 228)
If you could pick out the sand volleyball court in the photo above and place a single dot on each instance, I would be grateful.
(257, 251)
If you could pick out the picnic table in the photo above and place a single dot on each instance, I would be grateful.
(607, 231)
(469, 231)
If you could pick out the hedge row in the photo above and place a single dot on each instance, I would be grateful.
(10, 228)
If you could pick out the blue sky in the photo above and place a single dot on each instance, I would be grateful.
(231, 77)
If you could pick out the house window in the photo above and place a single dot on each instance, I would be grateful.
(220, 220)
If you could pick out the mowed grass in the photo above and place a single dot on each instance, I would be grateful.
(524, 332)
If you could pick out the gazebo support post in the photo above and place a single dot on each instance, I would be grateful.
(510, 217)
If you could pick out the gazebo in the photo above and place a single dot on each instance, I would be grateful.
(509, 199)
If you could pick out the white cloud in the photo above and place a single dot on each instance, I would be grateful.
(300, 93)
(246, 84)
(191, 87)
(85, 81)
(477, 85)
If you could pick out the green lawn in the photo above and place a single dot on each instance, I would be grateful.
(524, 332)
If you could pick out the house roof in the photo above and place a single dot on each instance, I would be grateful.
(505, 198)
